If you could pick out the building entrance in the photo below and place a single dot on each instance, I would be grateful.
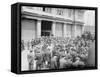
(46, 28)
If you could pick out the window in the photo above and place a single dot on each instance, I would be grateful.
(48, 10)
(29, 7)
(43, 8)
(36, 8)
(80, 14)
(60, 11)
(69, 13)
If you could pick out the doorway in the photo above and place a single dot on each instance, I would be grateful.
(46, 28)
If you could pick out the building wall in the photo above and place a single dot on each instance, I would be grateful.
(78, 30)
(28, 29)
(69, 30)
(71, 14)
(59, 29)
(66, 13)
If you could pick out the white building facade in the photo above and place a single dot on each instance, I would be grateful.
(46, 21)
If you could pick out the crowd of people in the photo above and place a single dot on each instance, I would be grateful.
(56, 52)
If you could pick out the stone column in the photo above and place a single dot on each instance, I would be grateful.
(38, 28)
(75, 30)
(65, 30)
(82, 29)
(53, 27)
